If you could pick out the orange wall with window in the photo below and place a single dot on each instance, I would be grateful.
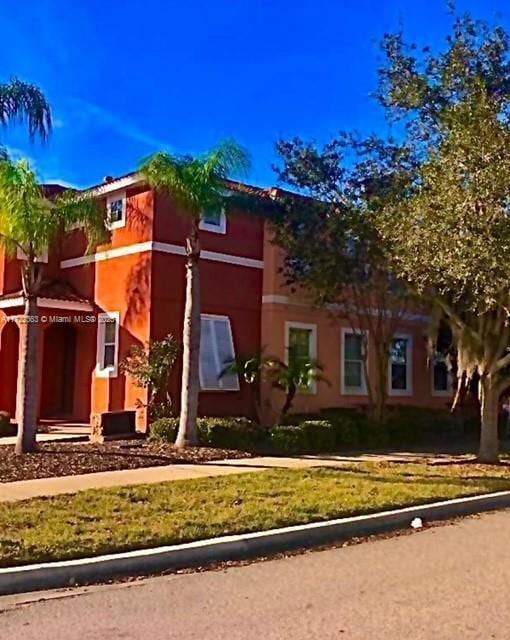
(119, 284)
(281, 305)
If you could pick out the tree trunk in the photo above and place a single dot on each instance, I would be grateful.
(489, 444)
(190, 387)
(381, 384)
(28, 378)
(289, 399)
(378, 388)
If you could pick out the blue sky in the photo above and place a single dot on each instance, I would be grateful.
(127, 78)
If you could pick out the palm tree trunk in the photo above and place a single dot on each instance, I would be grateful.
(190, 386)
(28, 379)
(489, 444)
(289, 399)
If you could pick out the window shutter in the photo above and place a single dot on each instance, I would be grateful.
(216, 352)
(225, 350)
(208, 373)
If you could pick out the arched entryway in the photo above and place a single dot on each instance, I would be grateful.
(9, 348)
(58, 371)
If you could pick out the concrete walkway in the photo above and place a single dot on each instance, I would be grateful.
(65, 432)
(25, 489)
(49, 437)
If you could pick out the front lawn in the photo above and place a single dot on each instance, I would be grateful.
(113, 520)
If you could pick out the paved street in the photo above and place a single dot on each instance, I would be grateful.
(450, 582)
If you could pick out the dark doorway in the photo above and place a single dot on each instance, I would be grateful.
(9, 347)
(58, 373)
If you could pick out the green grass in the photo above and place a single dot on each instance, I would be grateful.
(112, 520)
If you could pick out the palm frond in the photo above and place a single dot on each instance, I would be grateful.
(32, 222)
(23, 102)
(72, 209)
(196, 184)
(24, 219)
(227, 160)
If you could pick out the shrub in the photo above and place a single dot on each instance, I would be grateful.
(164, 430)
(311, 436)
(6, 429)
(226, 433)
(346, 433)
(295, 419)
(403, 432)
(230, 433)
(318, 435)
(373, 435)
(416, 425)
(287, 439)
(150, 366)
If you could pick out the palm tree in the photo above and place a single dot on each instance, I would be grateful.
(251, 370)
(23, 102)
(196, 185)
(297, 374)
(29, 224)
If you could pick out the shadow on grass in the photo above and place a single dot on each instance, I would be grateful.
(428, 479)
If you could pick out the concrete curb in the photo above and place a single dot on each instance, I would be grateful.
(73, 572)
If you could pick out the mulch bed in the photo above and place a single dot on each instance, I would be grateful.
(55, 459)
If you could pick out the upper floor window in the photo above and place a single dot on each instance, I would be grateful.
(353, 369)
(301, 344)
(216, 353)
(400, 365)
(108, 344)
(214, 221)
(441, 381)
(116, 210)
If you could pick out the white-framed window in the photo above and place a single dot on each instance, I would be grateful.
(216, 353)
(401, 365)
(441, 378)
(116, 210)
(108, 344)
(301, 341)
(214, 221)
(353, 371)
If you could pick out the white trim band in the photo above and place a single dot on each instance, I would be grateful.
(48, 303)
(119, 252)
(116, 185)
(163, 247)
(277, 299)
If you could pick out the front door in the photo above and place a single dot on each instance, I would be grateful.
(58, 373)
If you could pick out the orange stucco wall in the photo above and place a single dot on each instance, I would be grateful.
(282, 305)
(121, 284)
(146, 286)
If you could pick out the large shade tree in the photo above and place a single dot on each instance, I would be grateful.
(197, 185)
(332, 247)
(450, 237)
(30, 223)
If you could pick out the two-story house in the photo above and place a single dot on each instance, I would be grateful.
(94, 307)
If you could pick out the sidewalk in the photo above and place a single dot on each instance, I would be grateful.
(49, 437)
(64, 432)
(25, 489)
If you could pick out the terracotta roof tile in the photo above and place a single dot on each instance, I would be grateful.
(54, 289)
